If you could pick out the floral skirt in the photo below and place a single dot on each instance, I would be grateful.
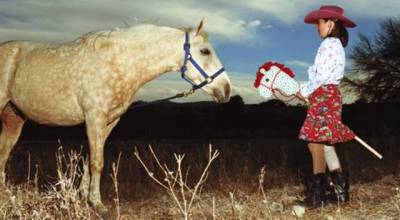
(323, 123)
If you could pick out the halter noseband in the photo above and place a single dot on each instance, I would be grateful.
(188, 57)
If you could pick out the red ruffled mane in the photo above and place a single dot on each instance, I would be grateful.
(257, 82)
(266, 66)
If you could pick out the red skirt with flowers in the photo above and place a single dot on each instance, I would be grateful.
(323, 123)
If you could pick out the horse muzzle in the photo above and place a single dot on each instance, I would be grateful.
(223, 93)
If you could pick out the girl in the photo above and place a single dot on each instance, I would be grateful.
(323, 127)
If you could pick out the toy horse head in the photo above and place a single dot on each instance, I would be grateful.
(273, 78)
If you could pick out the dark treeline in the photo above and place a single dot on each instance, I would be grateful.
(247, 136)
(231, 120)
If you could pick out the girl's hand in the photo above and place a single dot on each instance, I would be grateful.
(301, 97)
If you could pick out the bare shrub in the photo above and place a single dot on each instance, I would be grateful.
(114, 176)
(175, 183)
(61, 200)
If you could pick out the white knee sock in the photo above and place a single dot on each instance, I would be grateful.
(331, 158)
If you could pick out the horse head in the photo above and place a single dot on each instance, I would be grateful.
(273, 78)
(202, 67)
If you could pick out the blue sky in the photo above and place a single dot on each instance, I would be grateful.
(244, 33)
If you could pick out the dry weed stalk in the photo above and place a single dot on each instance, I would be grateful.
(60, 201)
(175, 184)
(261, 179)
(84, 185)
(28, 177)
(114, 177)
(213, 209)
(36, 179)
(65, 190)
(232, 204)
(35, 182)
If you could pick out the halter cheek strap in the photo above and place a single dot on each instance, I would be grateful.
(188, 57)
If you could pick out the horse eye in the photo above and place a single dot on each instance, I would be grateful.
(205, 51)
(266, 80)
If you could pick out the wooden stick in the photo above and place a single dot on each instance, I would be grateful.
(368, 147)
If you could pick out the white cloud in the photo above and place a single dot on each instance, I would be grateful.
(297, 63)
(73, 18)
(228, 21)
(254, 23)
(285, 11)
(33, 35)
(294, 11)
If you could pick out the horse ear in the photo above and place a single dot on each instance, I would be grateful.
(200, 27)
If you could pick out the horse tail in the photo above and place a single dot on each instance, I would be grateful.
(9, 53)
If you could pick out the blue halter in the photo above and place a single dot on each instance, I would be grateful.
(188, 57)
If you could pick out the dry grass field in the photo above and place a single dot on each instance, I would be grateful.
(196, 189)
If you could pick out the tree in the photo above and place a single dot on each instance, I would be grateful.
(377, 60)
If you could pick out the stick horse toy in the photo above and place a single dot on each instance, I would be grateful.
(274, 80)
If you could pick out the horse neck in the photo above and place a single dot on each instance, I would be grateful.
(160, 53)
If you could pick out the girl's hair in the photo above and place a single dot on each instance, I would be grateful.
(340, 31)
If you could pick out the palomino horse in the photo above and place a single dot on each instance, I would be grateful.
(94, 79)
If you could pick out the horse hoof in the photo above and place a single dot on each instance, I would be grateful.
(100, 209)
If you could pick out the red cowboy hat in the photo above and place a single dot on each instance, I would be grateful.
(329, 11)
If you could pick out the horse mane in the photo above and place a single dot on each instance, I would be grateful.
(257, 82)
(107, 37)
(267, 66)
(104, 38)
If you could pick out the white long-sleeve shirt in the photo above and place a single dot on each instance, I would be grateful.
(328, 66)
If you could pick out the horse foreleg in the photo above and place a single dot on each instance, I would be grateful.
(97, 131)
(3, 100)
(11, 129)
(3, 103)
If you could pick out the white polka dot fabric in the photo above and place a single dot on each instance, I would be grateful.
(277, 80)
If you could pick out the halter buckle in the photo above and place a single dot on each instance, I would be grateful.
(186, 46)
